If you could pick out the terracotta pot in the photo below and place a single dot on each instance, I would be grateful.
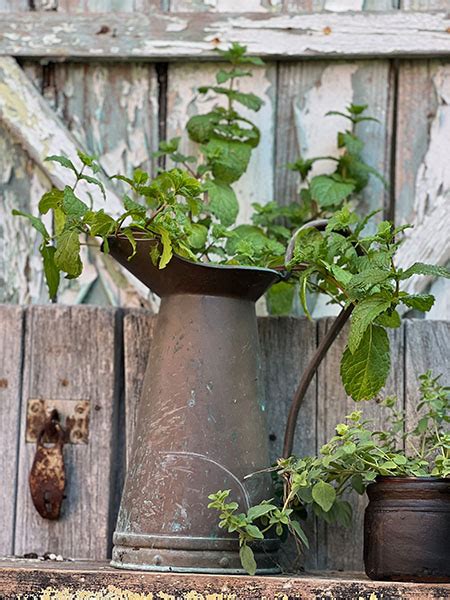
(407, 529)
(200, 424)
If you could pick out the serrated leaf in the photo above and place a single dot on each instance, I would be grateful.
(51, 271)
(222, 201)
(422, 302)
(63, 161)
(329, 190)
(130, 237)
(67, 255)
(364, 313)
(50, 200)
(198, 235)
(228, 159)
(167, 251)
(324, 495)
(35, 222)
(247, 559)
(364, 372)
(419, 268)
(72, 205)
(389, 319)
(95, 181)
(200, 128)
(255, 512)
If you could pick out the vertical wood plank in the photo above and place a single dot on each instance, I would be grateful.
(422, 174)
(11, 347)
(341, 549)
(137, 335)
(256, 185)
(287, 345)
(21, 184)
(115, 105)
(427, 345)
(72, 353)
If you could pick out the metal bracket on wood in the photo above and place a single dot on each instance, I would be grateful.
(73, 414)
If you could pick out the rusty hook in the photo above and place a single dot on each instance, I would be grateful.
(47, 478)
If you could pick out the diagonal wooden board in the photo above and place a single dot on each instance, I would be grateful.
(29, 118)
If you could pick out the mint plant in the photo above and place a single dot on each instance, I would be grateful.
(351, 460)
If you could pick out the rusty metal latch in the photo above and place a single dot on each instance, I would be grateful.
(47, 476)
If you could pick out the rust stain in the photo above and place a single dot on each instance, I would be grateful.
(74, 414)
(327, 30)
(3, 383)
(64, 382)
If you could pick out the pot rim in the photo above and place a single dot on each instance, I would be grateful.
(283, 275)
(410, 479)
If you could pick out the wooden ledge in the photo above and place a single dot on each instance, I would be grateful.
(51, 580)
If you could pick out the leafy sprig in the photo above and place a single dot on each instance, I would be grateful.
(360, 271)
(351, 460)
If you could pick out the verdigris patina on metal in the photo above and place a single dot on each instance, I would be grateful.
(200, 424)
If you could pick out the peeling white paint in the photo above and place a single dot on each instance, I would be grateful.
(429, 241)
(334, 91)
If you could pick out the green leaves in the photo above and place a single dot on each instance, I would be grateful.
(67, 255)
(419, 268)
(247, 559)
(330, 190)
(228, 159)
(422, 302)
(324, 495)
(365, 312)
(223, 203)
(365, 370)
(35, 222)
(51, 271)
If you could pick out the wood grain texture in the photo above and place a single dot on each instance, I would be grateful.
(422, 174)
(341, 548)
(11, 348)
(72, 354)
(79, 580)
(177, 36)
(287, 345)
(137, 336)
(427, 344)
(306, 92)
(34, 125)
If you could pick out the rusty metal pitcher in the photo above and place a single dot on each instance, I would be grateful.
(200, 424)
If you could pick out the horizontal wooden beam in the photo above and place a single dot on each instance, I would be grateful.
(96, 580)
(175, 36)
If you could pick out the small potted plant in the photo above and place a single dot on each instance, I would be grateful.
(405, 472)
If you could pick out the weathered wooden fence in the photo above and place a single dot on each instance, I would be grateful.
(98, 355)
(116, 76)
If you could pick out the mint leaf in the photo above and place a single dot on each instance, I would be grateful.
(63, 161)
(197, 237)
(67, 255)
(72, 205)
(329, 190)
(200, 128)
(222, 201)
(422, 302)
(247, 559)
(51, 271)
(364, 372)
(364, 313)
(50, 200)
(324, 495)
(35, 222)
(419, 268)
(389, 319)
(96, 182)
(229, 160)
